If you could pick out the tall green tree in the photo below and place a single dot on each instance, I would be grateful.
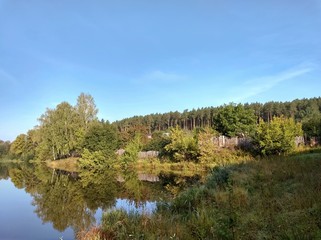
(233, 120)
(312, 126)
(60, 130)
(86, 108)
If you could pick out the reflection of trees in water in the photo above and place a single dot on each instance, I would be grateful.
(71, 200)
(175, 183)
(63, 204)
(61, 199)
(4, 171)
(23, 176)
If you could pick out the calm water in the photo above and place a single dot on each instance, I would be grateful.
(40, 203)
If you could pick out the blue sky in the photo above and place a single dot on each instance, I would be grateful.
(146, 56)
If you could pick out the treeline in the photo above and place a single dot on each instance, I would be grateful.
(306, 111)
(67, 130)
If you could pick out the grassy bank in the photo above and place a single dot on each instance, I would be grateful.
(156, 165)
(152, 166)
(273, 198)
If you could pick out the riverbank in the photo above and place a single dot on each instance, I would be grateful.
(276, 197)
(151, 165)
(154, 165)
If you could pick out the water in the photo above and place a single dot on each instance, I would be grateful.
(40, 203)
(18, 220)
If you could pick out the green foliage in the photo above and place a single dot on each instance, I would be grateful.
(300, 110)
(157, 142)
(208, 151)
(234, 120)
(22, 147)
(62, 130)
(277, 136)
(128, 134)
(93, 160)
(182, 146)
(131, 151)
(312, 126)
(86, 109)
(101, 137)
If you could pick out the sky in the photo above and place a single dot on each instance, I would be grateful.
(147, 56)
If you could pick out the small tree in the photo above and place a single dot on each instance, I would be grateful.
(182, 146)
(207, 149)
(131, 151)
(277, 136)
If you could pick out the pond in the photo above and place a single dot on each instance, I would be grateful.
(42, 203)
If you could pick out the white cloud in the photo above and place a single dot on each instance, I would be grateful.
(260, 85)
(160, 77)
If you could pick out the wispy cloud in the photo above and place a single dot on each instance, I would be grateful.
(158, 76)
(5, 76)
(260, 85)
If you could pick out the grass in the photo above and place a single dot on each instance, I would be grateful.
(272, 198)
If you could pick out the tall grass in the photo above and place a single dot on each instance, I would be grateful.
(274, 198)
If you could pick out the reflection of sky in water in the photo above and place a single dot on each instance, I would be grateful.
(18, 220)
(130, 206)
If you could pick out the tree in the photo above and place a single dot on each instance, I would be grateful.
(22, 147)
(86, 109)
(277, 136)
(182, 146)
(131, 151)
(232, 120)
(61, 130)
(312, 126)
(207, 149)
(101, 137)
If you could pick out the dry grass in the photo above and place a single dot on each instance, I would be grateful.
(94, 233)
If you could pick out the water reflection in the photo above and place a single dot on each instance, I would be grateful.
(67, 199)
(128, 206)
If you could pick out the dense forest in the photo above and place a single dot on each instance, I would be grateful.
(307, 111)
(67, 130)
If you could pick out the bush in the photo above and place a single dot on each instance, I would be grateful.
(277, 136)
